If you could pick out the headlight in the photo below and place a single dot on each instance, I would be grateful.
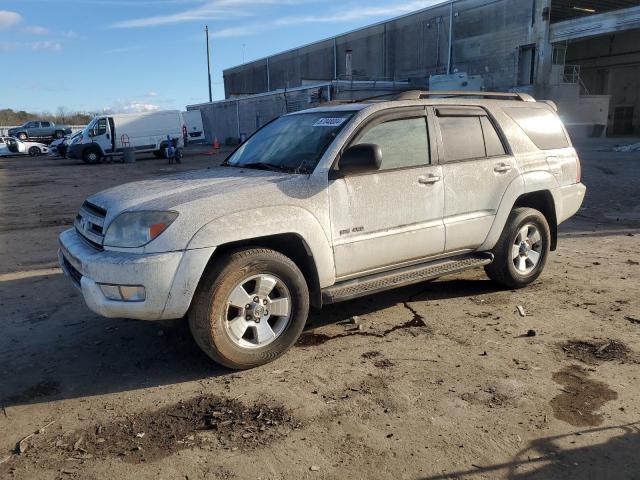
(135, 229)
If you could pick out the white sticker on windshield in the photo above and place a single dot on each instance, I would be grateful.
(329, 122)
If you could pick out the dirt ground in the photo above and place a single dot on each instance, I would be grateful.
(442, 380)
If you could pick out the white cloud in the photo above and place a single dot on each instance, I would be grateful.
(35, 30)
(359, 13)
(9, 19)
(140, 107)
(348, 15)
(209, 10)
(131, 106)
(35, 46)
(152, 94)
(236, 31)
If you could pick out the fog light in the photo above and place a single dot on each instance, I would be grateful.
(123, 293)
(132, 293)
(112, 292)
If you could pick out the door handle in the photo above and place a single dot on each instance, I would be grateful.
(428, 180)
(502, 168)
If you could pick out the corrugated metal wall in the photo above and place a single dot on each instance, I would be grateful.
(487, 35)
(232, 118)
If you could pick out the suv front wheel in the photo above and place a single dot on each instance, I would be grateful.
(522, 250)
(250, 308)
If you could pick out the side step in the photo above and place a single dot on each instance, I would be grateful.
(403, 276)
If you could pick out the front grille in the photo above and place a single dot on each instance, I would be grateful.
(89, 224)
(75, 275)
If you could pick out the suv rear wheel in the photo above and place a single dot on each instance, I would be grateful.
(250, 308)
(522, 250)
(22, 136)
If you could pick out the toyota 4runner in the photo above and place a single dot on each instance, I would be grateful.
(326, 205)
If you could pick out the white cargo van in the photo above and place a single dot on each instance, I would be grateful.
(107, 135)
(193, 121)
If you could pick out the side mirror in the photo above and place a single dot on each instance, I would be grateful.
(361, 158)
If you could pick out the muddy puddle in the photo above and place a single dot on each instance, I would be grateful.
(593, 352)
(581, 397)
(207, 421)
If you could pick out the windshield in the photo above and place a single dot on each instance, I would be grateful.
(88, 128)
(293, 143)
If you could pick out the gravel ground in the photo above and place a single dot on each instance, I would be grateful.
(443, 380)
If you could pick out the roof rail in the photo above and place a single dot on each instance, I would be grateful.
(421, 94)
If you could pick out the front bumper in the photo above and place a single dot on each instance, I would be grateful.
(170, 278)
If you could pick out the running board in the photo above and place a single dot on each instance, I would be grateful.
(403, 276)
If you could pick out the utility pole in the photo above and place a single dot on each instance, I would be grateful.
(206, 31)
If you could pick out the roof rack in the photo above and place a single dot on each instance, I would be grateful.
(422, 94)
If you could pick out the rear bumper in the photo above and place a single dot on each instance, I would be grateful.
(569, 200)
(170, 278)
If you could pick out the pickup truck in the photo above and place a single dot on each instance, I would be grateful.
(39, 129)
(326, 205)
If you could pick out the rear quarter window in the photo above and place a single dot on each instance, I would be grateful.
(542, 126)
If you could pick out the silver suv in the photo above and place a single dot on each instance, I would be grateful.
(326, 205)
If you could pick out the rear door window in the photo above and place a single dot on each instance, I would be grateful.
(542, 126)
(468, 133)
(404, 142)
(462, 138)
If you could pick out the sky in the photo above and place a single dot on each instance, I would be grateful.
(136, 55)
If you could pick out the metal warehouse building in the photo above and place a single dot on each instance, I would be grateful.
(583, 54)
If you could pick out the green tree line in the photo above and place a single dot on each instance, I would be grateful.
(11, 117)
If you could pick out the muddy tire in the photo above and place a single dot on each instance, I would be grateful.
(522, 250)
(59, 134)
(249, 308)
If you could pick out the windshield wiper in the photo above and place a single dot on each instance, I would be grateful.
(267, 166)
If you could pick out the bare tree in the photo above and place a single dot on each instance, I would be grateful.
(61, 115)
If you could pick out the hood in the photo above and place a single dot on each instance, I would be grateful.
(225, 188)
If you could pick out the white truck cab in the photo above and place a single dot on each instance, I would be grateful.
(326, 205)
(109, 135)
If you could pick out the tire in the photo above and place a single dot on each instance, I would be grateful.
(59, 134)
(22, 136)
(520, 255)
(34, 151)
(243, 343)
(91, 155)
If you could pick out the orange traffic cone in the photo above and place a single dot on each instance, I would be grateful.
(214, 147)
